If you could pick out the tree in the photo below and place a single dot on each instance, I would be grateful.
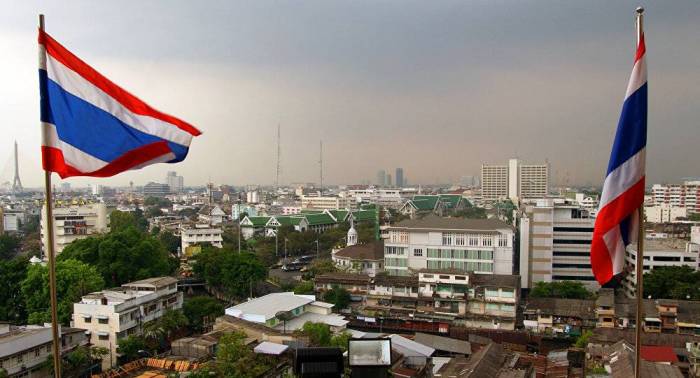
(228, 271)
(560, 289)
(582, 341)
(169, 241)
(319, 334)
(9, 246)
(122, 256)
(235, 360)
(81, 358)
(304, 287)
(73, 280)
(12, 301)
(322, 266)
(120, 220)
(338, 296)
(157, 202)
(130, 346)
(199, 309)
(672, 282)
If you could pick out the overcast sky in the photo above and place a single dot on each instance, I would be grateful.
(435, 87)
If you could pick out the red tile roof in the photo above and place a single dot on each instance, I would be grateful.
(656, 353)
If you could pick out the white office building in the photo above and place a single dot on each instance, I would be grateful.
(383, 197)
(175, 183)
(328, 202)
(201, 234)
(514, 181)
(470, 245)
(74, 222)
(660, 252)
(555, 242)
(113, 314)
(11, 220)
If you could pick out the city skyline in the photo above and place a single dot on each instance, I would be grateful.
(435, 89)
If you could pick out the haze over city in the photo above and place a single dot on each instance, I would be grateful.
(437, 88)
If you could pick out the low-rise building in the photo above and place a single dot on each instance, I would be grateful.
(25, 349)
(73, 222)
(559, 315)
(200, 234)
(365, 258)
(664, 213)
(287, 312)
(327, 202)
(113, 314)
(441, 204)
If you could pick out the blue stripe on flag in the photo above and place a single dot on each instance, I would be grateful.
(91, 129)
(631, 134)
(625, 229)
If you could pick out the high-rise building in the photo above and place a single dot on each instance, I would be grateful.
(175, 182)
(388, 180)
(154, 189)
(514, 181)
(399, 177)
(381, 177)
(555, 243)
(685, 195)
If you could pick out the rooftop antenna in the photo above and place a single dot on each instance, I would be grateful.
(277, 176)
(16, 183)
(320, 163)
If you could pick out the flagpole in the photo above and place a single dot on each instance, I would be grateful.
(640, 254)
(52, 261)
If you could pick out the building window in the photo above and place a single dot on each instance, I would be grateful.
(473, 241)
(103, 321)
(487, 241)
(459, 239)
(103, 337)
(492, 306)
(460, 278)
(491, 293)
(427, 276)
(444, 277)
(418, 252)
(447, 238)
(502, 240)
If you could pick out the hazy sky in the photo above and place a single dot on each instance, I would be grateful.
(436, 87)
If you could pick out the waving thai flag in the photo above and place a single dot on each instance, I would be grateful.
(93, 127)
(617, 221)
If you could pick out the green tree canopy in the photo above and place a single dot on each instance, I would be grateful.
(169, 241)
(12, 302)
(9, 246)
(228, 271)
(234, 359)
(672, 282)
(560, 289)
(304, 287)
(196, 309)
(319, 334)
(122, 256)
(130, 346)
(73, 280)
(338, 296)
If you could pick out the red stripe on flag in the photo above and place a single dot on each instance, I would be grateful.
(641, 49)
(607, 218)
(131, 102)
(52, 160)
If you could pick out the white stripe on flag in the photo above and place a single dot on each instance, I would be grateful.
(75, 84)
(638, 77)
(616, 249)
(623, 178)
(73, 156)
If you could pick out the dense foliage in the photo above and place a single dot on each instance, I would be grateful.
(228, 271)
(338, 296)
(130, 346)
(234, 359)
(9, 246)
(12, 302)
(73, 280)
(123, 255)
(320, 334)
(197, 309)
(304, 287)
(563, 289)
(673, 282)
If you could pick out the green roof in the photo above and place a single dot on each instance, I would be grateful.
(429, 202)
(364, 215)
(258, 221)
(340, 215)
(289, 220)
(450, 200)
(311, 211)
(319, 219)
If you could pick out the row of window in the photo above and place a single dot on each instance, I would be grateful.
(476, 306)
(450, 238)
(460, 254)
(389, 261)
(388, 250)
(468, 266)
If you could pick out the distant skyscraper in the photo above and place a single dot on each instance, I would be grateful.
(381, 177)
(399, 177)
(174, 182)
(388, 180)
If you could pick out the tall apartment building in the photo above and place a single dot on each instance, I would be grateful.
(74, 222)
(175, 183)
(678, 195)
(664, 213)
(113, 314)
(555, 242)
(432, 242)
(662, 252)
(328, 202)
(515, 181)
(381, 177)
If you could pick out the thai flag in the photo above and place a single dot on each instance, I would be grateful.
(93, 127)
(617, 221)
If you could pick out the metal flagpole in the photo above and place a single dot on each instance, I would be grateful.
(640, 254)
(51, 253)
